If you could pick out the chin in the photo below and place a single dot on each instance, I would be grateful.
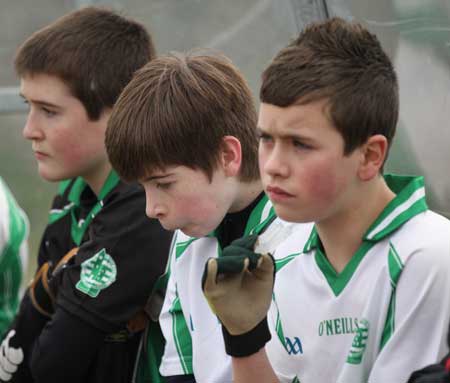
(196, 231)
(293, 216)
(51, 177)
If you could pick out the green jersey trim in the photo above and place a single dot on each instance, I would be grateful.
(182, 337)
(395, 266)
(78, 227)
(338, 281)
(181, 247)
(63, 185)
(262, 215)
(280, 263)
(409, 202)
(278, 325)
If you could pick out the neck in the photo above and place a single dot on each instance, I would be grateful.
(96, 178)
(341, 235)
(246, 194)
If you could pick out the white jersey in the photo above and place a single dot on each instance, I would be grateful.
(13, 254)
(194, 342)
(385, 315)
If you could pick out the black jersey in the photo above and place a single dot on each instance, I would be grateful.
(121, 255)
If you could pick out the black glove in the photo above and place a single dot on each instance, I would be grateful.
(238, 286)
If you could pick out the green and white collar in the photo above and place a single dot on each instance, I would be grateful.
(408, 202)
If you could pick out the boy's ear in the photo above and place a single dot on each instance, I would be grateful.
(231, 156)
(374, 153)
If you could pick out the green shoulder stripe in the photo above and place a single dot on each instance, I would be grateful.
(395, 266)
(181, 336)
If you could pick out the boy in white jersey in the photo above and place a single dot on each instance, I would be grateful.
(185, 127)
(362, 294)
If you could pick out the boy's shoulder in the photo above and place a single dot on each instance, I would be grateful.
(426, 235)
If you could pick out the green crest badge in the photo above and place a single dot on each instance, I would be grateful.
(97, 273)
(359, 342)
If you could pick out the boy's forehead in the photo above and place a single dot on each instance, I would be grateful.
(287, 118)
(168, 171)
(42, 85)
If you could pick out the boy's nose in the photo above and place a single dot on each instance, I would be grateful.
(153, 209)
(275, 164)
(31, 130)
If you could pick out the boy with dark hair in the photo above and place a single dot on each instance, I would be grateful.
(357, 290)
(100, 256)
(185, 127)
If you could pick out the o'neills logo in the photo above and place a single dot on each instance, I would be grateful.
(338, 326)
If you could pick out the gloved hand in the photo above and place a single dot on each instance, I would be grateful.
(10, 358)
(43, 288)
(238, 286)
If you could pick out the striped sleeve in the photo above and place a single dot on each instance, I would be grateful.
(177, 358)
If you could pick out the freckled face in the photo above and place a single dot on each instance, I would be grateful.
(184, 198)
(65, 142)
(302, 165)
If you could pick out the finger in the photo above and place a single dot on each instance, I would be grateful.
(233, 264)
(266, 263)
(4, 376)
(235, 251)
(253, 261)
(210, 275)
(15, 355)
(8, 366)
(265, 267)
(9, 336)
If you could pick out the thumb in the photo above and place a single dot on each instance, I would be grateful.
(209, 275)
(15, 356)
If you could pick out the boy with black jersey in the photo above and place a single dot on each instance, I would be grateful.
(185, 127)
(100, 256)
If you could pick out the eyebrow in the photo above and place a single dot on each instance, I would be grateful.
(153, 178)
(40, 102)
(288, 136)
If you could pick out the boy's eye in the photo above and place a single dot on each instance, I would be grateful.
(300, 145)
(164, 185)
(264, 137)
(48, 112)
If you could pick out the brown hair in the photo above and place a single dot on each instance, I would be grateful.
(176, 111)
(95, 51)
(344, 63)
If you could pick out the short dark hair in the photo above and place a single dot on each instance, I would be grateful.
(344, 63)
(176, 111)
(94, 50)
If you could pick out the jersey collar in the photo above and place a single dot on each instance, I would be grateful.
(261, 216)
(408, 202)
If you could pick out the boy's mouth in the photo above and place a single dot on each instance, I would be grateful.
(277, 193)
